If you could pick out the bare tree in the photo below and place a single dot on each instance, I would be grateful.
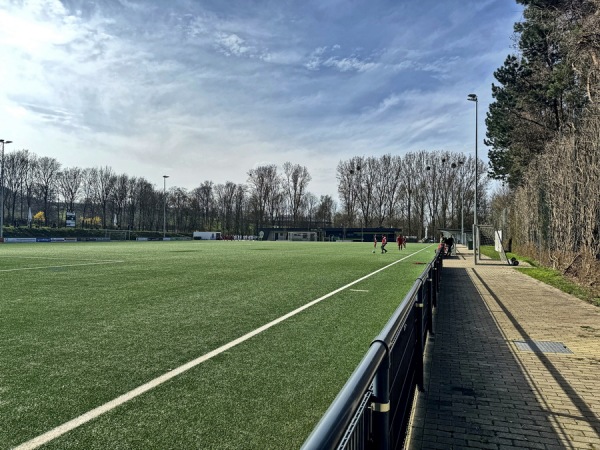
(69, 182)
(325, 211)
(344, 175)
(295, 184)
(149, 205)
(106, 185)
(203, 204)
(312, 203)
(387, 188)
(367, 178)
(179, 201)
(411, 174)
(225, 200)
(240, 208)
(264, 187)
(16, 168)
(46, 177)
(89, 188)
(391, 187)
(132, 201)
(119, 197)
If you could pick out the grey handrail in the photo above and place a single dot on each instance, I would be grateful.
(333, 425)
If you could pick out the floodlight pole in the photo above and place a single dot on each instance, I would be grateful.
(165, 205)
(473, 98)
(3, 142)
(462, 206)
(462, 220)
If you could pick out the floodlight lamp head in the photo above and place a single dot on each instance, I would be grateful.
(472, 97)
(165, 176)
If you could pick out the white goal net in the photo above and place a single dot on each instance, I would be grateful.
(488, 236)
(117, 235)
(302, 236)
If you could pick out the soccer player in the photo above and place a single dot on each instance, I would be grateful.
(399, 241)
(383, 244)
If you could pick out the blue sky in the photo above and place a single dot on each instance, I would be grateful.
(207, 90)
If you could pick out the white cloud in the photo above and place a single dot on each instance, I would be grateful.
(387, 103)
(208, 90)
(318, 58)
(232, 44)
(349, 64)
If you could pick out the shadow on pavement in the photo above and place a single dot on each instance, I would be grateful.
(585, 412)
(476, 393)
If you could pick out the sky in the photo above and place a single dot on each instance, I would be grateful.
(208, 90)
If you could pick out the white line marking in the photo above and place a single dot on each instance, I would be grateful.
(13, 257)
(92, 414)
(359, 290)
(64, 265)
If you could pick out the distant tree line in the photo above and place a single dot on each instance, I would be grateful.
(427, 189)
(102, 198)
(544, 132)
(421, 190)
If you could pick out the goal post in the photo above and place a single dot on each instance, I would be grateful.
(489, 238)
(118, 235)
(302, 236)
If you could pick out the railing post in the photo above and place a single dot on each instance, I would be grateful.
(381, 402)
(434, 284)
(430, 304)
(438, 276)
(420, 344)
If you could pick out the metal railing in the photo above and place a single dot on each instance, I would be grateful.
(373, 408)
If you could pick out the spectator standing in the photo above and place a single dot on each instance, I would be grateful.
(450, 244)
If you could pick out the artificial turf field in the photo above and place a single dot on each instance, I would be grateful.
(84, 323)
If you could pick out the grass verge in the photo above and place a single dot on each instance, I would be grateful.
(488, 250)
(556, 279)
(546, 275)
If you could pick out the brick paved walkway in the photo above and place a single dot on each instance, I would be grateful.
(482, 390)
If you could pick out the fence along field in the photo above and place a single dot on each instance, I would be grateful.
(75, 336)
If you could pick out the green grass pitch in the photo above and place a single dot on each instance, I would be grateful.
(82, 324)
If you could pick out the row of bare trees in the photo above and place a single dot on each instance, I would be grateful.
(104, 199)
(421, 190)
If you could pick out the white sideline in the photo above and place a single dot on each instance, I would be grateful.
(63, 265)
(92, 414)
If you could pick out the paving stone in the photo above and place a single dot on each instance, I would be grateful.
(485, 392)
